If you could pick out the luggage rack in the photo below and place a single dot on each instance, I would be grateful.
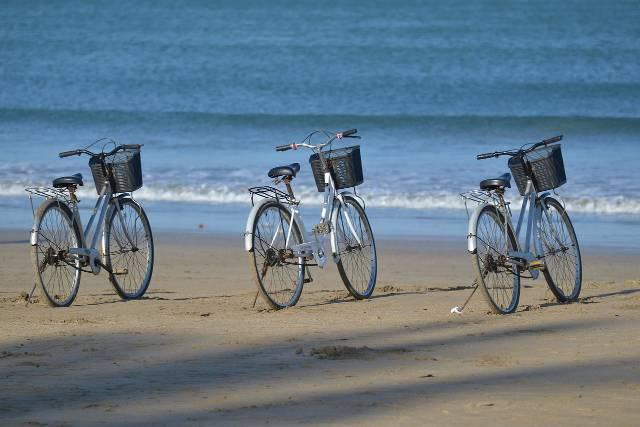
(47, 193)
(480, 196)
(268, 192)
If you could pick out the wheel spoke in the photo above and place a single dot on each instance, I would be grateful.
(58, 274)
(500, 285)
(129, 250)
(357, 265)
(561, 252)
(279, 277)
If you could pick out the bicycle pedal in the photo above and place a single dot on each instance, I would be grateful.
(120, 271)
(536, 264)
(322, 228)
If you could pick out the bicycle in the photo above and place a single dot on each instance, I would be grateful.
(60, 252)
(550, 245)
(276, 239)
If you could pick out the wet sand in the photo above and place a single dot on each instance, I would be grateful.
(195, 351)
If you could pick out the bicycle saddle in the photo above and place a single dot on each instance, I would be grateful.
(289, 170)
(502, 181)
(65, 181)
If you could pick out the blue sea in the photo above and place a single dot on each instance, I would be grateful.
(210, 87)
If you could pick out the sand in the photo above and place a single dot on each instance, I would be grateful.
(195, 352)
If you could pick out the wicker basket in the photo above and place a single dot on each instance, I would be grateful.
(123, 171)
(344, 165)
(546, 166)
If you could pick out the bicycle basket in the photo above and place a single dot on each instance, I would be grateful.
(344, 165)
(547, 169)
(123, 169)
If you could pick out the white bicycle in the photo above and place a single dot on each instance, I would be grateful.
(276, 239)
(61, 251)
(550, 243)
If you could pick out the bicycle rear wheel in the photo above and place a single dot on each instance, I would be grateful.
(357, 260)
(57, 271)
(128, 248)
(499, 283)
(563, 264)
(279, 276)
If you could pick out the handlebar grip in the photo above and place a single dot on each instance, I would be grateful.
(347, 133)
(131, 146)
(485, 156)
(69, 153)
(284, 147)
(552, 140)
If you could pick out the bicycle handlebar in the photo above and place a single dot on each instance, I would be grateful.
(520, 151)
(284, 147)
(69, 153)
(110, 153)
(347, 133)
(351, 133)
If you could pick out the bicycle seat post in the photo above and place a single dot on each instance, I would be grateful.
(287, 183)
(72, 193)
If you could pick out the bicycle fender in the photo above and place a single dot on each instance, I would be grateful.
(33, 240)
(334, 220)
(248, 230)
(472, 244)
(107, 215)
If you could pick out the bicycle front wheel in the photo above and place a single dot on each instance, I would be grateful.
(279, 275)
(498, 279)
(356, 249)
(57, 271)
(563, 265)
(128, 248)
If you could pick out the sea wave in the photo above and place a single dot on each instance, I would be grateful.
(208, 194)
(575, 123)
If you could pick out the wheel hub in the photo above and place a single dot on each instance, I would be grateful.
(490, 264)
(50, 257)
(272, 257)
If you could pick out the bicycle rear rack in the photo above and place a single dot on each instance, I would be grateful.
(482, 196)
(269, 192)
(47, 193)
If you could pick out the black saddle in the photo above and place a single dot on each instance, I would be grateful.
(289, 170)
(502, 181)
(65, 181)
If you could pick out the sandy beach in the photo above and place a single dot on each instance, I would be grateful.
(195, 351)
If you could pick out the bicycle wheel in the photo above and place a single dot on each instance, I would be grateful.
(279, 275)
(500, 286)
(563, 265)
(357, 261)
(128, 249)
(57, 271)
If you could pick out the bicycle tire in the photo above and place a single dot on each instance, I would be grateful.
(490, 261)
(351, 257)
(130, 261)
(563, 266)
(57, 232)
(265, 257)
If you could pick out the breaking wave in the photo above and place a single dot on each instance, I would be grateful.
(212, 194)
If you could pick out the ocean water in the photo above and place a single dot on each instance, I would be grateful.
(211, 87)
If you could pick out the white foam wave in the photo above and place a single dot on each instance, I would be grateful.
(209, 194)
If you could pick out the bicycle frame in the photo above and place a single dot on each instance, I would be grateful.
(310, 248)
(532, 209)
(88, 254)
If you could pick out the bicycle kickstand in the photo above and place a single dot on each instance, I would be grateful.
(459, 310)
(31, 294)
